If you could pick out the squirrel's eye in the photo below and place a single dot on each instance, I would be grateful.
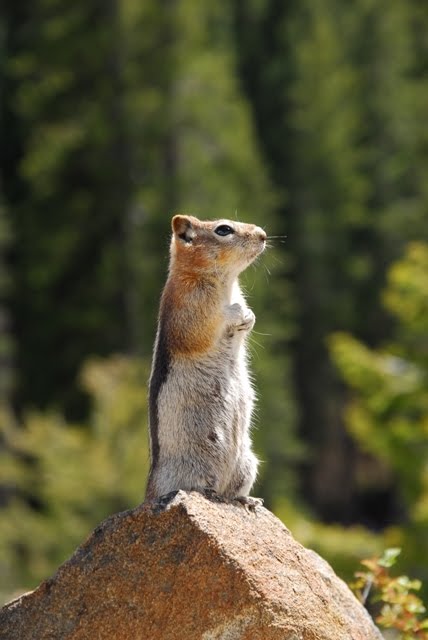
(224, 230)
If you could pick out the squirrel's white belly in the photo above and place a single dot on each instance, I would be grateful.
(204, 410)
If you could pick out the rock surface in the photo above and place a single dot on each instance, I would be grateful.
(189, 568)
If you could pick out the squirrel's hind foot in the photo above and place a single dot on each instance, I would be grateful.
(249, 502)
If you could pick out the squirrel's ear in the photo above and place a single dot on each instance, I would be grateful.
(183, 228)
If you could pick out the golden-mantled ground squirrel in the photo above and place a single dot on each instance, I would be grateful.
(201, 398)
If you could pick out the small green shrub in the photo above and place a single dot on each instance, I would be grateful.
(400, 608)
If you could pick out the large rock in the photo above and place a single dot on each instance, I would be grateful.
(188, 569)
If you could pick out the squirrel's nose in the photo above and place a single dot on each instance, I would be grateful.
(261, 234)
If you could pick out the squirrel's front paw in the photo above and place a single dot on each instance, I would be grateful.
(234, 314)
(240, 318)
(247, 321)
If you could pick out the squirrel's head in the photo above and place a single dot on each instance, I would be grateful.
(219, 247)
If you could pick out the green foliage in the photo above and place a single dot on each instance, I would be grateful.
(401, 609)
(6, 341)
(68, 191)
(388, 414)
(62, 479)
(407, 298)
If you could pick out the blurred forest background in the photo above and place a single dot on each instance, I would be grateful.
(308, 118)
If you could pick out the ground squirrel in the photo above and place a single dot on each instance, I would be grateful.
(200, 397)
